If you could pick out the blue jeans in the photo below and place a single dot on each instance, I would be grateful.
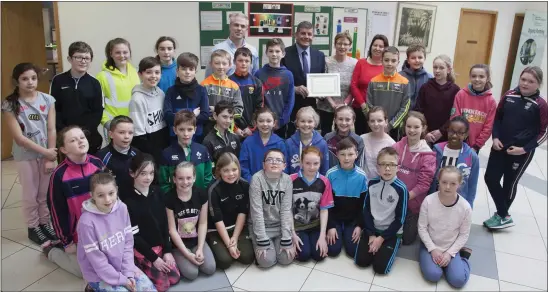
(457, 272)
(344, 232)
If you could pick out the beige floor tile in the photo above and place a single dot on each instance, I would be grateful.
(344, 266)
(506, 286)
(379, 288)
(277, 278)
(24, 268)
(322, 281)
(521, 270)
(58, 280)
(13, 219)
(538, 203)
(520, 244)
(405, 276)
(8, 167)
(20, 236)
(235, 271)
(14, 199)
(8, 180)
(10, 247)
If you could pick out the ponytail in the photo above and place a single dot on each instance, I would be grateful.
(487, 70)
(13, 101)
(451, 74)
(18, 70)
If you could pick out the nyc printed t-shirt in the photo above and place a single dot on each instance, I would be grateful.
(187, 214)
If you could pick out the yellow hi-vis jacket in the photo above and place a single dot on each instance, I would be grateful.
(117, 91)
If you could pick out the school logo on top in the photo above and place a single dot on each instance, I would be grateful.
(391, 199)
(396, 86)
(251, 89)
(295, 161)
(199, 155)
(528, 105)
(174, 157)
(228, 91)
(233, 144)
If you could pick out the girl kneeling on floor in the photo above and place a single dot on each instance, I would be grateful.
(186, 207)
(145, 203)
(312, 198)
(444, 227)
(105, 250)
(228, 208)
(271, 222)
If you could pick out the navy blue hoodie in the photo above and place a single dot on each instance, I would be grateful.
(417, 78)
(253, 150)
(278, 91)
(186, 96)
(295, 148)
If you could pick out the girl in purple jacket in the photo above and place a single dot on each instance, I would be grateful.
(105, 249)
(417, 165)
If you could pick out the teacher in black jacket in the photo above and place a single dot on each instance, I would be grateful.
(302, 59)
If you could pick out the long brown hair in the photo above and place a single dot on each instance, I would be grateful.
(18, 70)
(108, 50)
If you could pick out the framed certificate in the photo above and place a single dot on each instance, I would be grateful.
(323, 84)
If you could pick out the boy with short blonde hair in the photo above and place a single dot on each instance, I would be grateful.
(220, 87)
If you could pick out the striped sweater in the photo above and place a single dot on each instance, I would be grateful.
(69, 187)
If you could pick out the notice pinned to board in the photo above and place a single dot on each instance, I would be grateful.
(380, 22)
(211, 20)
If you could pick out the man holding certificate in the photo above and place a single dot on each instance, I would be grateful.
(302, 59)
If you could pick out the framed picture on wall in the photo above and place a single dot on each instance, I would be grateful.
(414, 24)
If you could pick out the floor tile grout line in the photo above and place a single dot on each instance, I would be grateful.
(520, 285)
(24, 246)
(521, 256)
(41, 278)
(311, 270)
(9, 193)
(239, 275)
(348, 277)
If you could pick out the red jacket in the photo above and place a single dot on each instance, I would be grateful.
(480, 111)
(363, 73)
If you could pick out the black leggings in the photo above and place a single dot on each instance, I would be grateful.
(326, 121)
(511, 167)
(360, 126)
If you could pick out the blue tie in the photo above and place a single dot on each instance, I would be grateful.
(305, 63)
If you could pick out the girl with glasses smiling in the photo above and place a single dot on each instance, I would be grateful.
(455, 152)
(271, 217)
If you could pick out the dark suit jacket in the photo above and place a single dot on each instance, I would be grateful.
(293, 63)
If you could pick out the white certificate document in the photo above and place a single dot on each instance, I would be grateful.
(323, 84)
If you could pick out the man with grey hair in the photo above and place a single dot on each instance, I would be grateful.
(302, 59)
(238, 30)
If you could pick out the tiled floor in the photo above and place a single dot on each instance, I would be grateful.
(510, 260)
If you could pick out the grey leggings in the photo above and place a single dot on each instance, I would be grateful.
(274, 254)
(190, 270)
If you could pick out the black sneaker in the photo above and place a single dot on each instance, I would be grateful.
(465, 252)
(37, 236)
(48, 231)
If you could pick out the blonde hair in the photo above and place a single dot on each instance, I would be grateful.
(222, 54)
(308, 110)
(224, 160)
(184, 164)
(451, 76)
(450, 169)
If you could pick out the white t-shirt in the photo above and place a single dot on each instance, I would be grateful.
(450, 157)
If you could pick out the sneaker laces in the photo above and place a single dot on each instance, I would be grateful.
(49, 230)
(40, 234)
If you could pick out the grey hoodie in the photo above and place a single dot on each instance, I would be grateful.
(146, 110)
(270, 208)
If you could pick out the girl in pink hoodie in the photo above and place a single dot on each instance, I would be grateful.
(477, 105)
(416, 168)
(105, 247)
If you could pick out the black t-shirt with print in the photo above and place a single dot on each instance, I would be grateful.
(187, 214)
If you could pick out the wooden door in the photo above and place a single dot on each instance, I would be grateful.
(474, 41)
(512, 52)
(23, 40)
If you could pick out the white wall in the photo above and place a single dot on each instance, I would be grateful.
(141, 23)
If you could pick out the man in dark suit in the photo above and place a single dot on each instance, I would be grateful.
(302, 59)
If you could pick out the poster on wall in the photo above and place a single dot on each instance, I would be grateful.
(214, 25)
(320, 17)
(270, 19)
(354, 22)
(531, 43)
(415, 24)
(263, 59)
(380, 22)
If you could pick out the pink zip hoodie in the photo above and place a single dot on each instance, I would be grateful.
(480, 111)
(417, 166)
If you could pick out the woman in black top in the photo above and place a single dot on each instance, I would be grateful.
(228, 208)
(152, 246)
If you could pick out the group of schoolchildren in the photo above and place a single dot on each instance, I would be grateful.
(197, 178)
